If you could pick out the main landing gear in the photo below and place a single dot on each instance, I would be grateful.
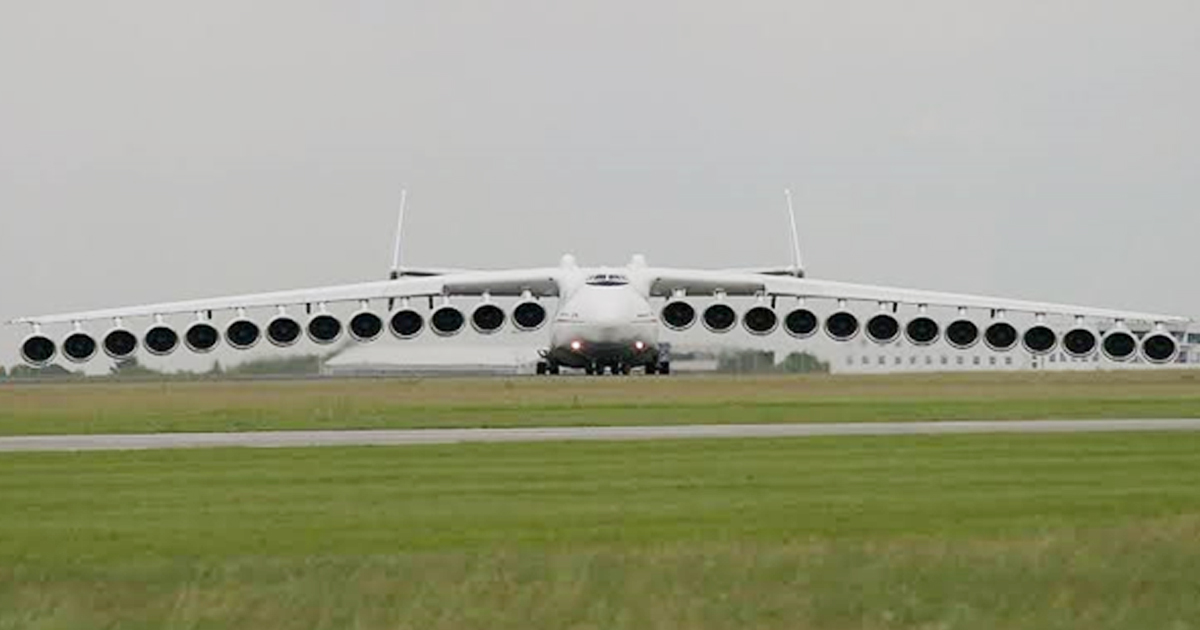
(545, 368)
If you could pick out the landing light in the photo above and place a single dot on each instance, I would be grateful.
(640, 345)
(577, 346)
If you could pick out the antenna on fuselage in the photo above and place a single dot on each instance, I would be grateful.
(396, 256)
(797, 261)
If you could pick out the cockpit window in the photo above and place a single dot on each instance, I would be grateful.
(608, 280)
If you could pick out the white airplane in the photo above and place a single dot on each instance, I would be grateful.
(607, 318)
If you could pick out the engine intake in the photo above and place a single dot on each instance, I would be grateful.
(1119, 345)
(1159, 348)
(1001, 337)
(80, 347)
(284, 332)
(801, 323)
(324, 329)
(448, 321)
(120, 344)
(161, 340)
(488, 319)
(1040, 340)
(1080, 343)
(760, 321)
(365, 326)
(962, 334)
(529, 316)
(719, 318)
(883, 329)
(242, 334)
(38, 350)
(201, 337)
(842, 326)
(406, 323)
(923, 331)
(679, 316)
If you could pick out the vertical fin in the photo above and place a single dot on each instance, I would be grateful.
(396, 256)
(797, 261)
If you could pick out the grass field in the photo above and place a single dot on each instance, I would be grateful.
(1081, 531)
(107, 407)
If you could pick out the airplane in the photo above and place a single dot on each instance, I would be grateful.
(607, 319)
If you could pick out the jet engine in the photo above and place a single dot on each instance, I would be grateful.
(242, 334)
(922, 331)
(719, 318)
(447, 321)
(842, 326)
(488, 319)
(406, 323)
(119, 343)
(284, 332)
(365, 326)
(760, 321)
(962, 334)
(1080, 342)
(161, 340)
(80, 347)
(1159, 347)
(1119, 345)
(883, 329)
(1040, 340)
(1001, 337)
(201, 337)
(801, 323)
(679, 315)
(324, 329)
(529, 316)
(38, 350)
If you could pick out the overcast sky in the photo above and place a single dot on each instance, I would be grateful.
(157, 150)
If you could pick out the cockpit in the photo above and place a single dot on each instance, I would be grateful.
(608, 280)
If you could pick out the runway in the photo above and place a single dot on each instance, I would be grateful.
(414, 437)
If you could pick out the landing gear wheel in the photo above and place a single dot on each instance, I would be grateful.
(651, 369)
(664, 368)
(590, 370)
(542, 368)
(555, 370)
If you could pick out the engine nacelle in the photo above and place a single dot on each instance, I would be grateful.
(406, 323)
(679, 315)
(324, 329)
(1080, 343)
(529, 316)
(488, 319)
(284, 331)
(1119, 345)
(842, 326)
(1001, 337)
(719, 318)
(161, 340)
(923, 331)
(80, 347)
(962, 334)
(760, 321)
(38, 350)
(1160, 348)
(801, 323)
(447, 321)
(201, 337)
(883, 329)
(365, 326)
(1040, 340)
(242, 334)
(120, 344)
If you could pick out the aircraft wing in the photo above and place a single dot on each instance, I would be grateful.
(535, 282)
(667, 282)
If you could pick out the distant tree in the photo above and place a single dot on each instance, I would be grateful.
(279, 366)
(803, 363)
(763, 362)
(50, 371)
(216, 369)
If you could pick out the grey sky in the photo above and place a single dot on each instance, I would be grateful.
(154, 150)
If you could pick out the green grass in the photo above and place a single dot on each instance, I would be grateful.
(1084, 531)
(109, 407)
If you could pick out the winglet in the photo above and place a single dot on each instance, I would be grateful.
(797, 261)
(396, 257)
